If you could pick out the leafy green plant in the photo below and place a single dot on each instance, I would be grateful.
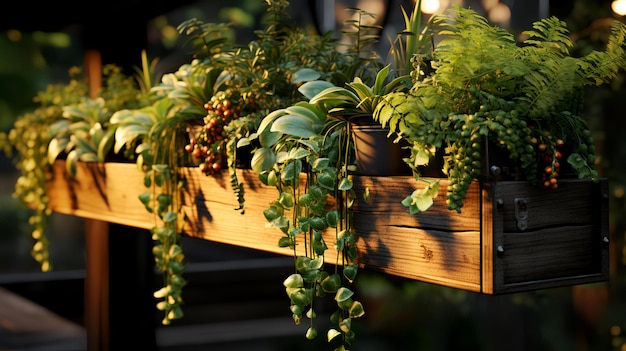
(524, 99)
(67, 121)
(306, 152)
(156, 134)
(244, 83)
(307, 156)
(84, 133)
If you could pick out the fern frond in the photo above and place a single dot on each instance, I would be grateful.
(603, 67)
(550, 85)
(550, 33)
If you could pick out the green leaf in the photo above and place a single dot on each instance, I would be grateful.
(350, 272)
(286, 199)
(332, 334)
(294, 281)
(296, 125)
(71, 162)
(90, 157)
(55, 148)
(127, 134)
(312, 88)
(332, 283)
(345, 184)
(343, 294)
(311, 333)
(169, 217)
(297, 309)
(317, 223)
(175, 250)
(326, 180)
(263, 159)
(285, 242)
(305, 75)
(298, 296)
(106, 143)
(292, 170)
(332, 218)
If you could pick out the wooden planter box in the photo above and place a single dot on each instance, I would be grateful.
(510, 236)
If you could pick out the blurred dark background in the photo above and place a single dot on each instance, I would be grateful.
(40, 42)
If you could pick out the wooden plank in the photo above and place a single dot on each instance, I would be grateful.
(490, 239)
(550, 253)
(386, 194)
(439, 246)
(107, 192)
(566, 205)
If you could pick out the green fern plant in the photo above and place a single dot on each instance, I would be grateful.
(524, 98)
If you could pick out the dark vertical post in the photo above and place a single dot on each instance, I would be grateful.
(132, 305)
(97, 285)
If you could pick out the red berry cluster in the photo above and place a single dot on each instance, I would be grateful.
(550, 151)
(208, 147)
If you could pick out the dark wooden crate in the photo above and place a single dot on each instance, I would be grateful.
(559, 237)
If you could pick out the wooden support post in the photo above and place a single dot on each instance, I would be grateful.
(119, 307)
(96, 246)
(97, 285)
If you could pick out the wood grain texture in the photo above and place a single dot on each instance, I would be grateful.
(560, 245)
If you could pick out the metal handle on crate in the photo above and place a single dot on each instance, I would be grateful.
(521, 213)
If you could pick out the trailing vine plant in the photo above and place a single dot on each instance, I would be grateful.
(156, 135)
(313, 157)
(68, 124)
(306, 152)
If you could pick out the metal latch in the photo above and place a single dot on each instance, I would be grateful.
(521, 213)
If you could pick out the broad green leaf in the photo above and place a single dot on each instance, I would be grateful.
(126, 134)
(83, 145)
(292, 170)
(296, 125)
(55, 148)
(307, 110)
(106, 143)
(175, 250)
(263, 159)
(305, 75)
(71, 162)
(298, 296)
(312, 88)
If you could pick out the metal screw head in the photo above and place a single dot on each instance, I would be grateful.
(500, 250)
(495, 170)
